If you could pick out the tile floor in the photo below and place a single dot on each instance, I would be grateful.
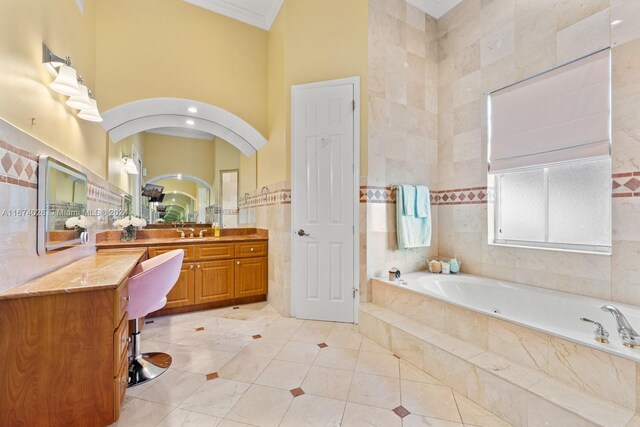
(250, 366)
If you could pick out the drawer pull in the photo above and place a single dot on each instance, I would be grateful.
(238, 262)
(127, 298)
(191, 267)
(251, 249)
(198, 266)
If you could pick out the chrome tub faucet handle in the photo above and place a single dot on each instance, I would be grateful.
(600, 334)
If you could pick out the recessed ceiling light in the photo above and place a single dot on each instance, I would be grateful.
(192, 110)
(190, 122)
(616, 22)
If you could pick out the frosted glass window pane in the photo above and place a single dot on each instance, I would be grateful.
(522, 206)
(580, 203)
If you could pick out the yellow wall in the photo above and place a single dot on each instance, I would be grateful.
(117, 175)
(170, 48)
(183, 185)
(164, 154)
(311, 41)
(24, 26)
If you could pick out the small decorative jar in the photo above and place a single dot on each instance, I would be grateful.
(129, 234)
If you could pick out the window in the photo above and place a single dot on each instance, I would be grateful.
(549, 158)
(565, 206)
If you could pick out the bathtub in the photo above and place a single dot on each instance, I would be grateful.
(547, 311)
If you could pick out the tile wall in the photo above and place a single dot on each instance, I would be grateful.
(403, 131)
(19, 260)
(485, 45)
(270, 207)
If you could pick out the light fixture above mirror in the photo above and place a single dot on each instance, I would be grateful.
(68, 83)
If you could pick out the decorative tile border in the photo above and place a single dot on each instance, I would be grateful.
(626, 184)
(460, 196)
(100, 194)
(373, 194)
(277, 197)
(18, 167)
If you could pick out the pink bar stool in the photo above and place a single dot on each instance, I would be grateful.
(149, 284)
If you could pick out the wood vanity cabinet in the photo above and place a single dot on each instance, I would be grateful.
(217, 274)
(65, 345)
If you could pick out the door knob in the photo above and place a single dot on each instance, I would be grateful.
(302, 233)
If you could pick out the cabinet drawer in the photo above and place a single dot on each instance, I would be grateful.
(120, 303)
(120, 345)
(251, 249)
(159, 250)
(119, 388)
(213, 252)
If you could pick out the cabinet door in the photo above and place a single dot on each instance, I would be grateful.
(214, 281)
(251, 277)
(182, 292)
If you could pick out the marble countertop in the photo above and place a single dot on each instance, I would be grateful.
(177, 241)
(101, 270)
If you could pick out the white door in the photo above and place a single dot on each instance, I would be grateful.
(324, 200)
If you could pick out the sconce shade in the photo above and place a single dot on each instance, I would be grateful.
(82, 101)
(66, 82)
(91, 114)
(130, 166)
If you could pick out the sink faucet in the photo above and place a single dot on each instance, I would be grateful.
(629, 336)
(191, 231)
(181, 233)
(201, 234)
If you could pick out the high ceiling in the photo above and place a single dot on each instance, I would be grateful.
(262, 13)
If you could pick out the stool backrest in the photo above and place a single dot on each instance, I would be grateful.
(151, 281)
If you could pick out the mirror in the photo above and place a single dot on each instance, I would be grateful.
(201, 175)
(62, 206)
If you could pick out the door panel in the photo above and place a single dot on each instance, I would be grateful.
(182, 292)
(251, 277)
(214, 281)
(324, 201)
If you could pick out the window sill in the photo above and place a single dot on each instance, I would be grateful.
(589, 250)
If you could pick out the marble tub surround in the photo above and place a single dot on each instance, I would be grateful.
(400, 319)
(251, 366)
(518, 394)
(19, 261)
(101, 270)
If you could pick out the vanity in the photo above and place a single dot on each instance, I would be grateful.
(216, 271)
(65, 337)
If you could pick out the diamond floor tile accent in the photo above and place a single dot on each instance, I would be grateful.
(200, 329)
(212, 376)
(256, 337)
(296, 392)
(401, 411)
(323, 345)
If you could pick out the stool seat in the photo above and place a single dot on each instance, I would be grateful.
(149, 284)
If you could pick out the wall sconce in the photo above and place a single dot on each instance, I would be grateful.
(68, 83)
(129, 165)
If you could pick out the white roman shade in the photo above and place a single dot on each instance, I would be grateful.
(557, 116)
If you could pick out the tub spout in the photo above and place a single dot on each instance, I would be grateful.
(629, 336)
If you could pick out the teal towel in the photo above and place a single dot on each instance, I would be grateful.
(411, 231)
(408, 200)
(423, 202)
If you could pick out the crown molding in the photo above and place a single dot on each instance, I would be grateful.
(434, 8)
(243, 14)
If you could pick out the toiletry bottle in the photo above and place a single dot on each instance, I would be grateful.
(216, 230)
(454, 265)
